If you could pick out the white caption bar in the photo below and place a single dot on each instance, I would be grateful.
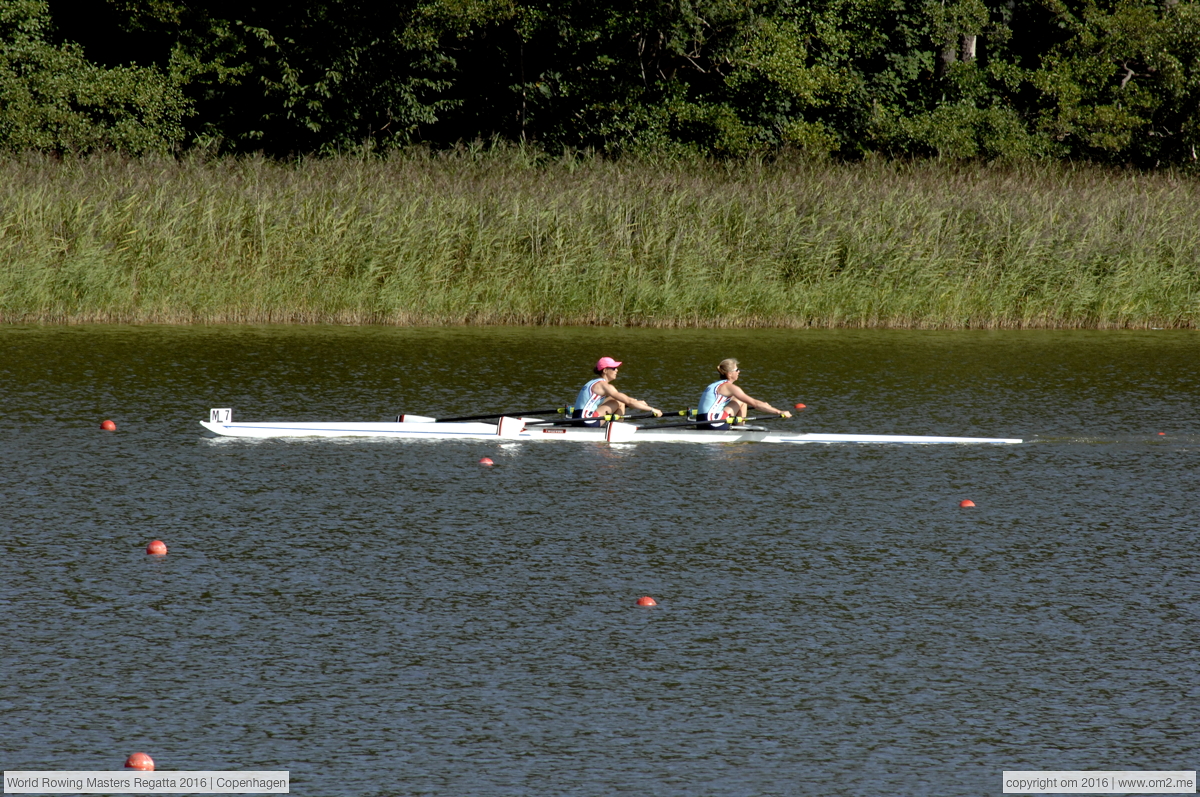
(1096, 782)
(201, 782)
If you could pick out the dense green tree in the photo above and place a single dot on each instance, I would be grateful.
(54, 99)
(309, 76)
(1125, 85)
(710, 76)
(959, 94)
(1113, 81)
(1110, 80)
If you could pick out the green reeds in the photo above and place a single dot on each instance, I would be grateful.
(498, 238)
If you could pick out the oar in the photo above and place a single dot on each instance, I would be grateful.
(731, 421)
(555, 411)
(647, 415)
(610, 418)
(425, 419)
(566, 422)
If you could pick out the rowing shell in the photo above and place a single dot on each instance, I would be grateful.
(221, 422)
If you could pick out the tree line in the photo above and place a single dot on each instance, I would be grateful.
(1110, 81)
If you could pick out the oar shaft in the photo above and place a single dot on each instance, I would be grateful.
(577, 421)
(644, 415)
(730, 421)
(557, 410)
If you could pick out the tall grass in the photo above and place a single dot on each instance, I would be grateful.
(498, 238)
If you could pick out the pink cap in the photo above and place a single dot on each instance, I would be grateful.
(607, 362)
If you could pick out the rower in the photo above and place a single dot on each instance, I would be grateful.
(723, 399)
(598, 397)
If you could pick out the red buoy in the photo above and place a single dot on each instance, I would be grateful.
(157, 548)
(799, 406)
(646, 600)
(966, 502)
(140, 761)
(108, 426)
(486, 461)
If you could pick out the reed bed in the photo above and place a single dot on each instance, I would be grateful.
(507, 238)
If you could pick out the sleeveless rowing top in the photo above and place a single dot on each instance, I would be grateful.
(587, 401)
(712, 403)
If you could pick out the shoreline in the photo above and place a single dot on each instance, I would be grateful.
(82, 321)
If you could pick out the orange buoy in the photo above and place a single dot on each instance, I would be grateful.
(799, 406)
(157, 548)
(1162, 433)
(966, 502)
(646, 600)
(108, 426)
(140, 761)
(486, 461)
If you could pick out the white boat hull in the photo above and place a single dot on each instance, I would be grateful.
(648, 434)
(428, 431)
(516, 429)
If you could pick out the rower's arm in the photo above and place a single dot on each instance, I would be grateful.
(612, 392)
(641, 405)
(741, 395)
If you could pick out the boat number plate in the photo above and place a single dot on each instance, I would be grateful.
(220, 416)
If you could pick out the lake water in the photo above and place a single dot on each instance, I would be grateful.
(390, 618)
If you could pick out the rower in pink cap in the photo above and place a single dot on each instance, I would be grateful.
(598, 397)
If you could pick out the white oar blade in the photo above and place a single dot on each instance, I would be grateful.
(416, 419)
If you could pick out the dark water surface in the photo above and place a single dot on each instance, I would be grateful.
(390, 618)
